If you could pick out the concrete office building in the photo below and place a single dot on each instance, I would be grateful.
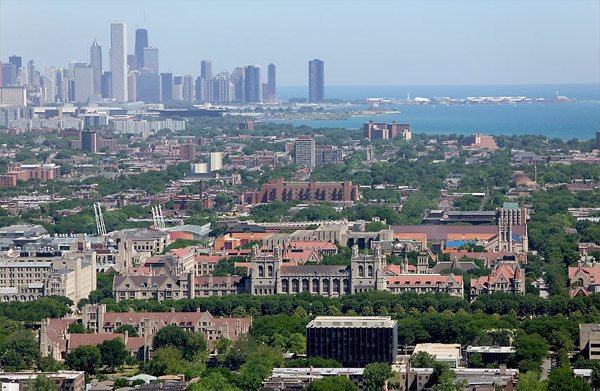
(188, 88)
(149, 88)
(96, 64)
(132, 86)
(84, 83)
(237, 78)
(206, 69)
(589, 340)
(89, 141)
(252, 85)
(215, 161)
(177, 88)
(354, 341)
(9, 74)
(141, 42)
(151, 62)
(304, 149)
(316, 80)
(118, 60)
(166, 80)
(272, 84)
(106, 89)
(13, 96)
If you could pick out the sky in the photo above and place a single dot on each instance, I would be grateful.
(420, 42)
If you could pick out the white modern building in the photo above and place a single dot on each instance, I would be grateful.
(84, 83)
(118, 60)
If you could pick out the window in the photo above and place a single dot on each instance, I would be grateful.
(361, 271)
(261, 271)
(370, 271)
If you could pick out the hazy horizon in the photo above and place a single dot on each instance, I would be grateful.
(362, 43)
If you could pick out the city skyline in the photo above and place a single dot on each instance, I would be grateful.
(554, 42)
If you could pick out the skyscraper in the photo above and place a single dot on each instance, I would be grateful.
(237, 78)
(272, 84)
(149, 88)
(15, 60)
(30, 72)
(188, 88)
(252, 87)
(166, 80)
(118, 60)
(304, 149)
(141, 42)
(89, 141)
(177, 88)
(316, 80)
(151, 59)
(206, 69)
(84, 82)
(96, 63)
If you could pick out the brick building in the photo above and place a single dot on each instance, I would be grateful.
(380, 130)
(278, 189)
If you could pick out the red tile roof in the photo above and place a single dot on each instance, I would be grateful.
(77, 340)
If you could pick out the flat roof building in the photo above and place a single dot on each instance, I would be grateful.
(354, 341)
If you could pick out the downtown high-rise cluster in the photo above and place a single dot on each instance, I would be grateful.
(136, 76)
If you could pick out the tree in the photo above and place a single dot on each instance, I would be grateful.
(562, 379)
(375, 376)
(476, 361)
(530, 381)
(84, 358)
(595, 379)
(530, 350)
(77, 328)
(166, 361)
(333, 383)
(241, 349)
(222, 348)
(113, 353)
(196, 347)
(422, 360)
(214, 381)
(171, 335)
(120, 382)
(48, 364)
(25, 350)
(131, 331)
(42, 383)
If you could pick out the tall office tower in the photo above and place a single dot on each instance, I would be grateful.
(272, 84)
(188, 88)
(141, 42)
(89, 141)
(237, 78)
(149, 88)
(166, 81)
(252, 87)
(83, 76)
(151, 59)
(215, 161)
(0, 73)
(96, 63)
(316, 80)
(106, 91)
(30, 72)
(48, 85)
(304, 148)
(118, 60)
(132, 62)
(9, 74)
(206, 69)
(132, 86)
(16, 60)
(177, 88)
(201, 89)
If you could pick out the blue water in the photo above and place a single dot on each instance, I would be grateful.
(565, 120)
